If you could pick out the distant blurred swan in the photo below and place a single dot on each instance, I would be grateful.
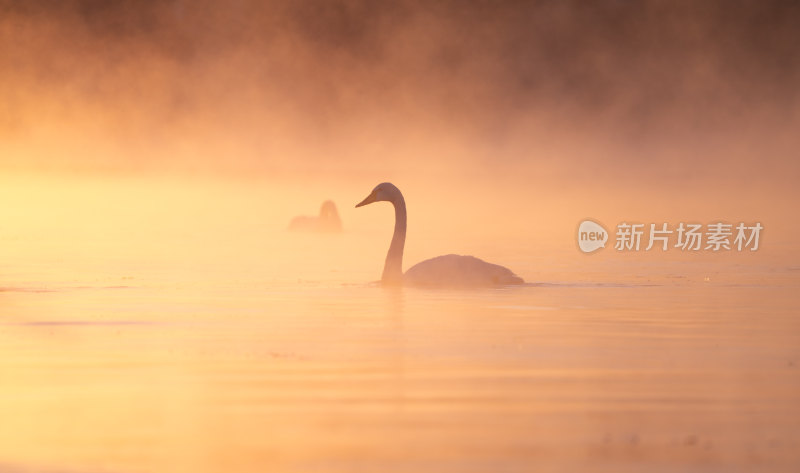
(327, 221)
(442, 271)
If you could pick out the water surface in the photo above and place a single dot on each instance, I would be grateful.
(225, 344)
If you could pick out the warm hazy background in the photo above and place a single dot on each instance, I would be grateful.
(553, 111)
(156, 314)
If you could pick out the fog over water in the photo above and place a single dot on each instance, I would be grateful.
(682, 105)
(156, 314)
(651, 90)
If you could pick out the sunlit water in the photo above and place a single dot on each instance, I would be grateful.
(148, 342)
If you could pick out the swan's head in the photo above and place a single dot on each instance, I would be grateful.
(328, 209)
(385, 191)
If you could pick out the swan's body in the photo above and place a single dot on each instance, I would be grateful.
(442, 271)
(459, 271)
(327, 221)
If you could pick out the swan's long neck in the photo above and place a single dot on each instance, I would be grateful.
(393, 269)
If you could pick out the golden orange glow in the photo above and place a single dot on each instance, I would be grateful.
(158, 315)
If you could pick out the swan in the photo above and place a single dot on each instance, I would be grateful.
(327, 221)
(442, 271)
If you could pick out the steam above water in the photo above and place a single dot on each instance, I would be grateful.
(653, 89)
(522, 118)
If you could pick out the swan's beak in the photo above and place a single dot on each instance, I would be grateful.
(370, 199)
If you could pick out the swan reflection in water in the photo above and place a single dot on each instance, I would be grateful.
(328, 220)
(442, 271)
